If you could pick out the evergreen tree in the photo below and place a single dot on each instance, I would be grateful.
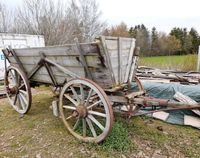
(195, 40)
(154, 42)
(141, 33)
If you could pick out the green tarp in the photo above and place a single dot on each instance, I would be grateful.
(167, 91)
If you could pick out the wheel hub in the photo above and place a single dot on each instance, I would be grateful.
(81, 111)
(12, 90)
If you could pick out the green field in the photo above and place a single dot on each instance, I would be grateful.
(184, 62)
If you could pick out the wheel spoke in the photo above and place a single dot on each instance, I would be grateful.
(24, 99)
(97, 113)
(22, 103)
(76, 124)
(84, 127)
(23, 92)
(15, 99)
(96, 122)
(16, 77)
(20, 87)
(89, 107)
(91, 127)
(82, 92)
(88, 98)
(70, 99)
(19, 80)
(74, 92)
(69, 107)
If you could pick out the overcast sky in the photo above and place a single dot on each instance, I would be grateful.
(163, 14)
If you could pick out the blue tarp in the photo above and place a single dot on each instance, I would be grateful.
(167, 91)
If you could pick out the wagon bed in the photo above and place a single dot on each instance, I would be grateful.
(99, 61)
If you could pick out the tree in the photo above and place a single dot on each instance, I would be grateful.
(168, 45)
(195, 39)
(58, 22)
(133, 32)
(185, 39)
(143, 39)
(84, 16)
(41, 17)
(5, 18)
(118, 30)
(154, 42)
(173, 45)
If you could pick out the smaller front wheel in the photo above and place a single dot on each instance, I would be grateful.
(86, 110)
(18, 90)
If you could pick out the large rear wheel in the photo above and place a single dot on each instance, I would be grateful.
(86, 110)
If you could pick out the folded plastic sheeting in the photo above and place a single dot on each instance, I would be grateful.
(167, 91)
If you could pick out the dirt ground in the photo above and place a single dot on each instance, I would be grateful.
(40, 134)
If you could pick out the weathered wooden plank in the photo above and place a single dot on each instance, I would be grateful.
(119, 53)
(130, 58)
(57, 72)
(83, 60)
(63, 50)
(133, 68)
(100, 75)
(46, 79)
(115, 38)
(107, 57)
(186, 99)
(93, 61)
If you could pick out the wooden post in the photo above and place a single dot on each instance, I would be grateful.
(198, 61)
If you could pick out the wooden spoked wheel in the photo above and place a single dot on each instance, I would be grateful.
(18, 89)
(86, 110)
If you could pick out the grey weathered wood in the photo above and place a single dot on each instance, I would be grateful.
(119, 59)
(186, 99)
(93, 61)
(83, 60)
(64, 50)
(102, 38)
(130, 59)
(134, 64)
(133, 68)
(107, 61)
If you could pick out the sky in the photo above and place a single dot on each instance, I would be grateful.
(163, 14)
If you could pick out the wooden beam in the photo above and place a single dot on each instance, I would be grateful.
(83, 61)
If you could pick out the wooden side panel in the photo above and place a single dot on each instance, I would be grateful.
(64, 50)
(109, 62)
(71, 61)
(120, 52)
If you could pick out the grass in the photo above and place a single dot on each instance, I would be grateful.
(184, 62)
(39, 132)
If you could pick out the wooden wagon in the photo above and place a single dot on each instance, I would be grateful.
(91, 79)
